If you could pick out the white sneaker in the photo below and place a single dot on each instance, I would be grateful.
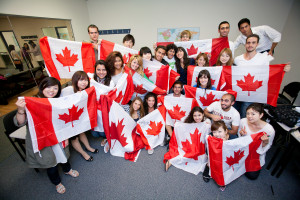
(150, 151)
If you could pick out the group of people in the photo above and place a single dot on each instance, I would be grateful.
(26, 55)
(225, 120)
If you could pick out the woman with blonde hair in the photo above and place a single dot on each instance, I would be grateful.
(225, 58)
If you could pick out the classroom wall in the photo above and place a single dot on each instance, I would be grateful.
(75, 10)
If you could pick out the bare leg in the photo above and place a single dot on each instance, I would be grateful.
(86, 143)
(169, 130)
(77, 146)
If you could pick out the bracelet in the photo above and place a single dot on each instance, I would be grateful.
(21, 113)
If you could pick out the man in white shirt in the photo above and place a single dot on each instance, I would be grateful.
(224, 110)
(269, 37)
(223, 29)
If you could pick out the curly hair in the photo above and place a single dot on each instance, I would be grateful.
(111, 59)
(108, 75)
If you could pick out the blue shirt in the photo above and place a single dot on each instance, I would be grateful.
(212, 87)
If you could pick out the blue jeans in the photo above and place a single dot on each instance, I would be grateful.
(241, 107)
(98, 134)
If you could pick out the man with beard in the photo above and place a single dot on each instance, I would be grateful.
(224, 110)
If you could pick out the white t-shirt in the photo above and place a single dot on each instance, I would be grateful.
(171, 62)
(267, 36)
(67, 91)
(258, 59)
(231, 117)
(116, 78)
(268, 129)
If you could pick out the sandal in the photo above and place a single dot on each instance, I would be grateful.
(73, 173)
(103, 142)
(167, 165)
(90, 159)
(95, 151)
(60, 188)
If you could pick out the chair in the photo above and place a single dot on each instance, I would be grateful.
(10, 127)
(292, 89)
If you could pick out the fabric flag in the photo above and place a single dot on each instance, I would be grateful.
(63, 58)
(161, 75)
(106, 47)
(232, 158)
(187, 147)
(123, 91)
(100, 90)
(257, 83)
(142, 86)
(53, 120)
(152, 128)
(120, 130)
(193, 72)
(193, 48)
(204, 97)
(178, 108)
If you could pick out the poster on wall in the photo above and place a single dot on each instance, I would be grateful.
(173, 34)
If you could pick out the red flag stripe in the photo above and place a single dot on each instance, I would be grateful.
(190, 73)
(143, 137)
(46, 52)
(218, 44)
(88, 57)
(173, 148)
(162, 74)
(252, 162)
(106, 48)
(275, 78)
(92, 106)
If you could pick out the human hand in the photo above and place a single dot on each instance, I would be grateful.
(270, 53)
(287, 67)
(21, 105)
(216, 118)
(243, 131)
(265, 139)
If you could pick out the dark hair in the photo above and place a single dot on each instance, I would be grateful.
(11, 47)
(190, 118)
(223, 22)
(108, 75)
(178, 82)
(110, 61)
(244, 20)
(207, 74)
(145, 50)
(32, 43)
(47, 82)
(253, 35)
(171, 46)
(258, 107)
(186, 60)
(25, 47)
(92, 26)
(129, 37)
(148, 95)
(79, 75)
(217, 124)
(232, 97)
(161, 47)
(204, 55)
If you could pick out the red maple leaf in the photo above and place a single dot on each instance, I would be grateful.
(248, 84)
(72, 116)
(139, 89)
(116, 133)
(194, 149)
(192, 50)
(209, 99)
(66, 59)
(147, 72)
(154, 129)
(176, 114)
(238, 155)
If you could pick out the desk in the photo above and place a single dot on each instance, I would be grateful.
(19, 134)
(290, 147)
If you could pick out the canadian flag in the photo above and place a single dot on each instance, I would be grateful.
(106, 47)
(161, 75)
(193, 72)
(100, 90)
(178, 108)
(63, 58)
(257, 83)
(120, 130)
(204, 97)
(193, 48)
(142, 86)
(232, 158)
(53, 120)
(187, 147)
(152, 128)
(123, 91)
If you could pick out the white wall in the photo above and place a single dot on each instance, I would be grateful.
(76, 10)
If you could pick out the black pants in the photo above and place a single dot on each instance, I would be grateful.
(252, 175)
(53, 172)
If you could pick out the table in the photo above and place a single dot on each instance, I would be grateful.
(294, 139)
